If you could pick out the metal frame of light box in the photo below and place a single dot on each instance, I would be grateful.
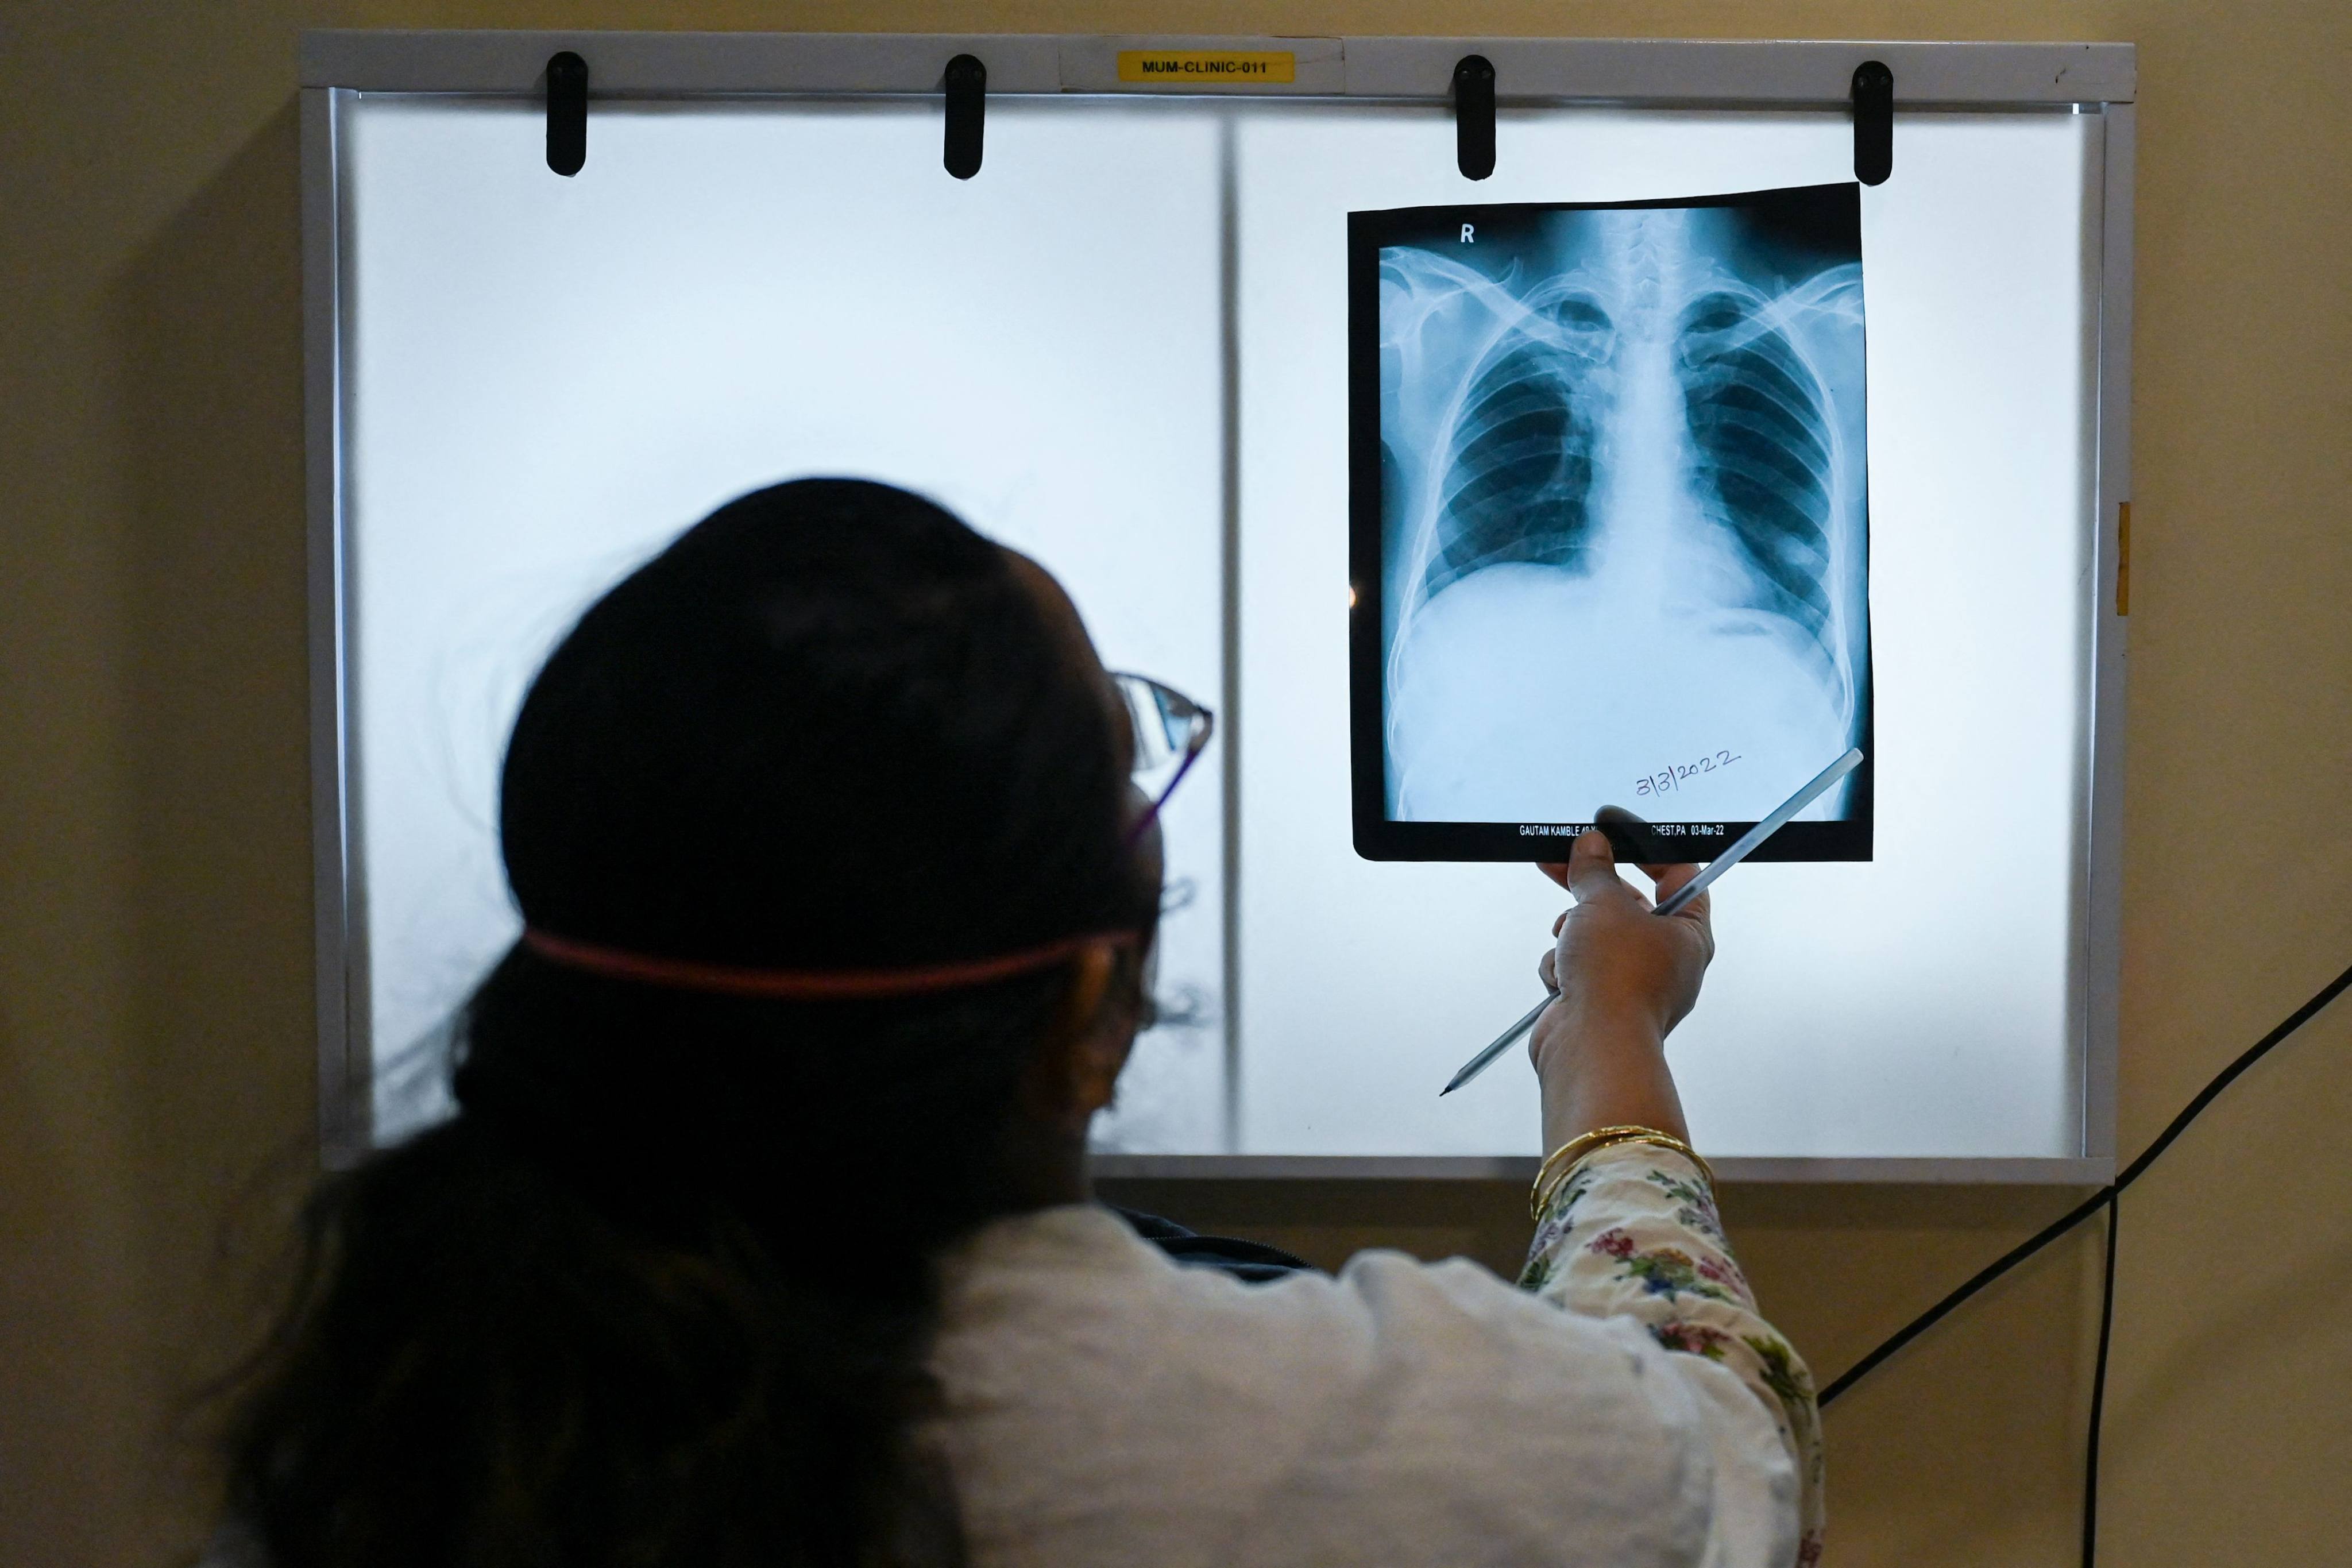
(2094, 77)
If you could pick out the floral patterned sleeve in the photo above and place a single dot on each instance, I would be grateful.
(1633, 1232)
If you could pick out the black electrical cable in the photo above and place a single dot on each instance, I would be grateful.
(1982, 1278)
(2107, 1197)
(2092, 1204)
(2099, 1392)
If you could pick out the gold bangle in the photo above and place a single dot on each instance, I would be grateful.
(1577, 1149)
(1668, 1141)
(1663, 1141)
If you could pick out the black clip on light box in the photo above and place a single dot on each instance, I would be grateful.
(1473, 116)
(967, 90)
(1874, 122)
(567, 113)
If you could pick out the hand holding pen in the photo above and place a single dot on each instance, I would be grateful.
(1690, 883)
(1599, 1056)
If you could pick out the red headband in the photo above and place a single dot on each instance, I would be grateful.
(730, 980)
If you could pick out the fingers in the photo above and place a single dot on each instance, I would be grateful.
(1593, 868)
(1626, 831)
(1665, 876)
(1669, 879)
(1547, 970)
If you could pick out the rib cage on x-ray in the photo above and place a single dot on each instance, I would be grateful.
(1764, 455)
(1547, 417)
(1519, 478)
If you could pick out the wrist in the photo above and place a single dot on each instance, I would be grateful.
(1603, 1067)
(1573, 1030)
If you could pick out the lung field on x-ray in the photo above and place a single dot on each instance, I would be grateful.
(1624, 509)
(1761, 454)
(1519, 481)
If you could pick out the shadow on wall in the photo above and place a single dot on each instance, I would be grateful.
(209, 353)
(61, 1317)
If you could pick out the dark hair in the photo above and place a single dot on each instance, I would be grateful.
(662, 1291)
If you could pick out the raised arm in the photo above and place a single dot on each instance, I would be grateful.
(1631, 1227)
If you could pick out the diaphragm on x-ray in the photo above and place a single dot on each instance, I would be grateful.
(1611, 522)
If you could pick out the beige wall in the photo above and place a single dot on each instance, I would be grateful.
(154, 901)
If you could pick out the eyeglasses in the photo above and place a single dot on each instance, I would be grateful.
(1171, 732)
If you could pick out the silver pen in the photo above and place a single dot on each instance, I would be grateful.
(1681, 897)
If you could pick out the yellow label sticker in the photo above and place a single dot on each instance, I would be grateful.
(1180, 67)
(2123, 558)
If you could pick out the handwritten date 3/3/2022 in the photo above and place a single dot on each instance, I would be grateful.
(1667, 780)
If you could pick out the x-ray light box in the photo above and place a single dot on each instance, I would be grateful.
(1123, 346)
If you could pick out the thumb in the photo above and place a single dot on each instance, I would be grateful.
(1593, 868)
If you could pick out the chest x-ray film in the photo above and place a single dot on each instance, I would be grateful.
(1610, 532)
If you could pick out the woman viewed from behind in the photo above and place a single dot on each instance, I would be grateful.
(762, 1234)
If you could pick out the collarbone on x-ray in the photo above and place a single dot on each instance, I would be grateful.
(1625, 519)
